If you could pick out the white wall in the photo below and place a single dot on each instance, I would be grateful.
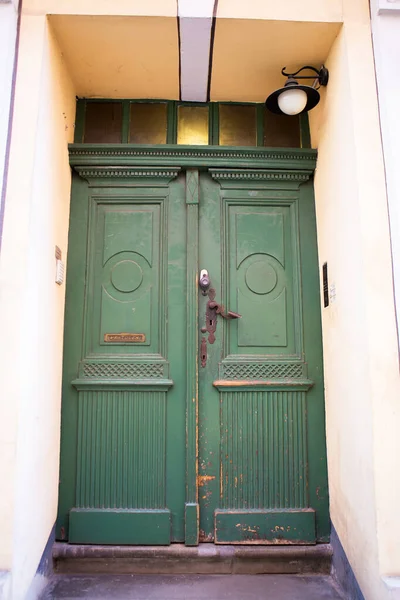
(359, 327)
(32, 305)
(385, 23)
(8, 32)
(385, 19)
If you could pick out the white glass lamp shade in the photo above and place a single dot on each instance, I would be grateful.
(292, 101)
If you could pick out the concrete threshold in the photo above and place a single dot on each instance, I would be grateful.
(202, 559)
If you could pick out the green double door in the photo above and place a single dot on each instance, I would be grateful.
(181, 420)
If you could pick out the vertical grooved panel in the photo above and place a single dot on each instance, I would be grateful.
(121, 449)
(263, 450)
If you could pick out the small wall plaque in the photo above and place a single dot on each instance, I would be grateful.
(60, 267)
(130, 338)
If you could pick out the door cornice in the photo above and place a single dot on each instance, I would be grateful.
(233, 177)
(150, 175)
(202, 157)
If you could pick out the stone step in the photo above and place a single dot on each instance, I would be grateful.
(192, 587)
(202, 559)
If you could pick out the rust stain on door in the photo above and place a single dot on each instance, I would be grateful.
(203, 479)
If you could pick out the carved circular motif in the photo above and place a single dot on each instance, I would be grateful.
(261, 277)
(126, 276)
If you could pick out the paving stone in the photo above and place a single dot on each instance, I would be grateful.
(191, 587)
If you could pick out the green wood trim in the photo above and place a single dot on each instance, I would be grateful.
(238, 367)
(159, 385)
(171, 123)
(211, 124)
(74, 323)
(125, 121)
(305, 137)
(204, 157)
(192, 524)
(154, 176)
(260, 124)
(227, 385)
(192, 250)
(266, 526)
(316, 439)
(80, 121)
(225, 176)
(214, 124)
(120, 526)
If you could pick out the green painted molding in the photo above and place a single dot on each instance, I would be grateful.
(234, 176)
(227, 385)
(202, 157)
(158, 385)
(154, 176)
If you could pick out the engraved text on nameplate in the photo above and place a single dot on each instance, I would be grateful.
(125, 337)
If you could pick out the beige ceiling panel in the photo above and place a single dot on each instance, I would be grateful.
(151, 8)
(120, 57)
(285, 10)
(249, 55)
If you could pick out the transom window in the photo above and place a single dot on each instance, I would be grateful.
(171, 122)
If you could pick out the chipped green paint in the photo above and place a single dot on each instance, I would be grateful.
(265, 527)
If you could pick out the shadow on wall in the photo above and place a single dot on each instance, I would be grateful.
(342, 571)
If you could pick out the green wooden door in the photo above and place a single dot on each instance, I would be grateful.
(262, 470)
(123, 415)
(167, 437)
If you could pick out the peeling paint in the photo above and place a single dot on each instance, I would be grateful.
(203, 479)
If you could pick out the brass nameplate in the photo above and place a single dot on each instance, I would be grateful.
(125, 337)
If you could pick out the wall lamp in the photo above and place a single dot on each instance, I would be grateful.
(294, 98)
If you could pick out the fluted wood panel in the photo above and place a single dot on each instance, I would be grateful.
(121, 449)
(263, 450)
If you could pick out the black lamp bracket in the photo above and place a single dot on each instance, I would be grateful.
(322, 75)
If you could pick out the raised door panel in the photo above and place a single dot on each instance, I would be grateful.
(125, 281)
(260, 279)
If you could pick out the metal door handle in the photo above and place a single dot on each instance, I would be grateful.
(219, 309)
(212, 311)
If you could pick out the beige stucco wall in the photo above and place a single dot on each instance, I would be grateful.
(250, 53)
(289, 10)
(139, 60)
(150, 8)
(359, 328)
(31, 304)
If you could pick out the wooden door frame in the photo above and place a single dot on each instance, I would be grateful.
(278, 168)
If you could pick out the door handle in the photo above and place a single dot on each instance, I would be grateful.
(212, 311)
(219, 309)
